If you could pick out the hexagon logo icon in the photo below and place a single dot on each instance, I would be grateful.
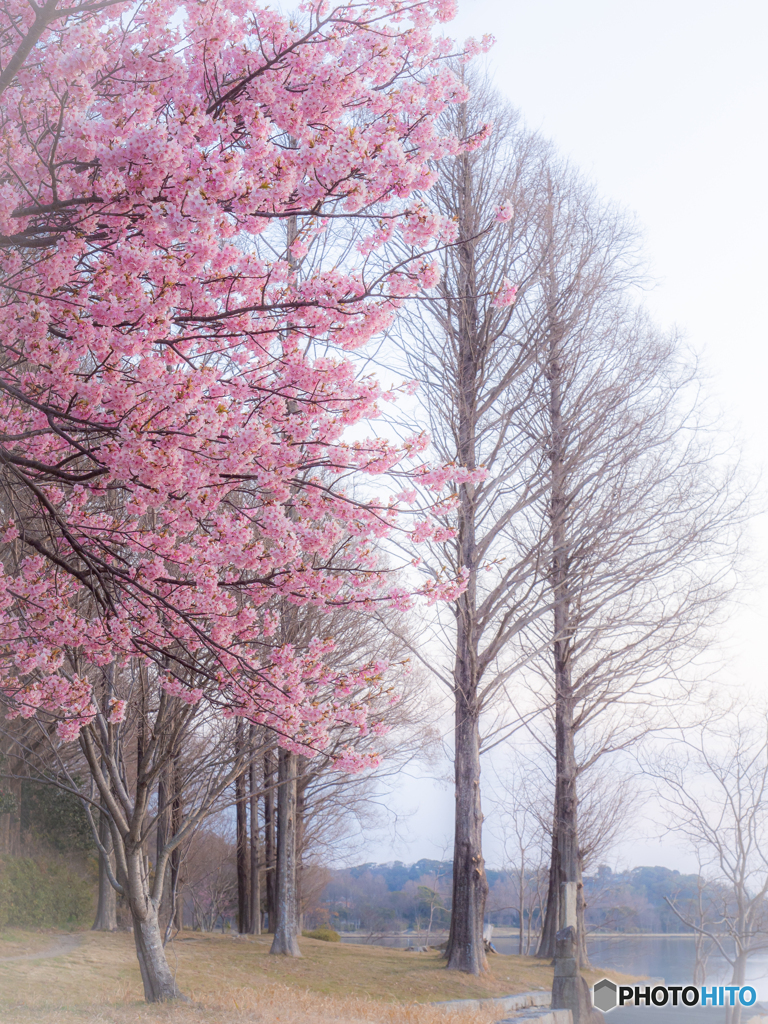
(604, 995)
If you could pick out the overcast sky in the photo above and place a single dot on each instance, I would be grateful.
(665, 106)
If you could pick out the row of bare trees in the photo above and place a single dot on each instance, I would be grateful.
(151, 783)
(599, 543)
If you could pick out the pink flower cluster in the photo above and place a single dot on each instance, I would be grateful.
(506, 295)
(178, 402)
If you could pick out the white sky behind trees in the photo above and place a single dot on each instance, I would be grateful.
(664, 104)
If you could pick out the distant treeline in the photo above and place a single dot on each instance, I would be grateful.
(396, 897)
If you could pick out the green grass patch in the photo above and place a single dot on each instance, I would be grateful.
(324, 934)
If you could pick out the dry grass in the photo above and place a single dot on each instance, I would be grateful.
(14, 942)
(236, 981)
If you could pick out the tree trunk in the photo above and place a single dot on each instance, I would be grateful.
(521, 906)
(106, 912)
(465, 950)
(159, 982)
(269, 840)
(162, 833)
(733, 1013)
(529, 938)
(565, 823)
(569, 990)
(547, 939)
(566, 804)
(254, 919)
(581, 926)
(177, 901)
(302, 781)
(286, 926)
(12, 829)
(242, 847)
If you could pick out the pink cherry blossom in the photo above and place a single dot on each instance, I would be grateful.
(506, 295)
(176, 396)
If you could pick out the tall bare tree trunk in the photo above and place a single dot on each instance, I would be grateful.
(269, 840)
(581, 925)
(242, 845)
(549, 925)
(738, 977)
(106, 911)
(470, 886)
(465, 950)
(287, 924)
(566, 802)
(569, 989)
(253, 800)
(521, 906)
(302, 780)
(163, 829)
(177, 811)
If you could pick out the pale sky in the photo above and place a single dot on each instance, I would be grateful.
(665, 106)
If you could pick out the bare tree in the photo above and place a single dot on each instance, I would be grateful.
(123, 764)
(714, 782)
(269, 839)
(522, 820)
(607, 520)
(474, 361)
(285, 941)
(106, 909)
(644, 525)
(242, 844)
(331, 805)
(211, 889)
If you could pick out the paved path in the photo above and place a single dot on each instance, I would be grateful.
(64, 944)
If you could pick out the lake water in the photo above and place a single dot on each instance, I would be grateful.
(669, 958)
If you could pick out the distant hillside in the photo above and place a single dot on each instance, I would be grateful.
(397, 897)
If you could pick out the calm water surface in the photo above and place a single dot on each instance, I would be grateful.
(669, 958)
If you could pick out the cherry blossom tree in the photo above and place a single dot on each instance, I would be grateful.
(176, 400)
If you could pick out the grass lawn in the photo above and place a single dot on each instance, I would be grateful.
(235, 980)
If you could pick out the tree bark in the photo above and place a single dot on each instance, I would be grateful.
(159, 982)
(566, 802)
(157, 978)
(521, 906)
(106, 911)
(269, 840)
(547, 939)
(465, 950)
(581, 926)
(302, 781)
(286, 926)
(738, 977)
(242, 846)
(177, 809)
(163, 831)
(569, 990)
(254, 920)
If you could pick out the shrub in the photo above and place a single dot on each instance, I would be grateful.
(324, 933)
(44, 893)
(54, 819)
